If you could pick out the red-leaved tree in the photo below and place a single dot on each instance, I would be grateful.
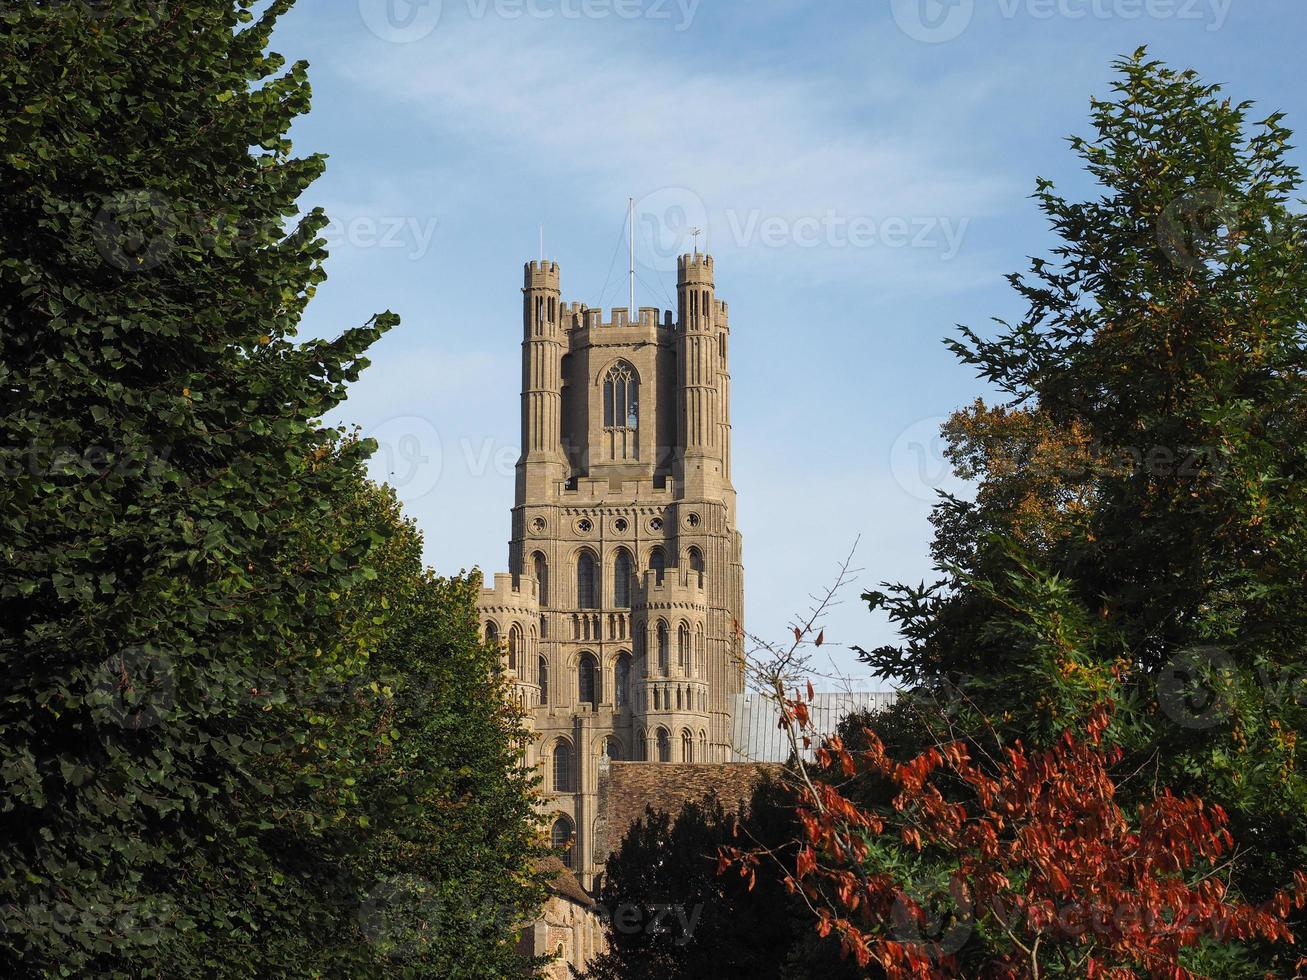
(1046, 874)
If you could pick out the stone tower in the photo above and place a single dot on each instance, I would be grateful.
(619, 617)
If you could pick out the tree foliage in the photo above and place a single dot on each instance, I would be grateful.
(1136, 539)
(442, 855)
(206, 769)
(1143, 491)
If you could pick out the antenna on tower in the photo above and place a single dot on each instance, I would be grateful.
(630, 218)
(696, 232)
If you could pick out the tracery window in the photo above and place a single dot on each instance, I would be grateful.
(621, 397)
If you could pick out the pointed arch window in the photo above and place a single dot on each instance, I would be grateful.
(683, 649)
(658, 564)
(687, 747)
(541, 569)
(563, 768)
(622, 678)
(560, 838)
(621, 397)
(514, 647)
(622, 574)
(587, 582)
(589, 680)
(696, 564)
(662, 648)
(542, 679)
(664, 746)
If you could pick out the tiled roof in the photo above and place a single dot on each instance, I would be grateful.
(563, 882)
(668, 786)
(756, 733)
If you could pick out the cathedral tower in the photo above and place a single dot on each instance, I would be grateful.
(620, 614)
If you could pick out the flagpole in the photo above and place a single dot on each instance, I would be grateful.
(631, 221)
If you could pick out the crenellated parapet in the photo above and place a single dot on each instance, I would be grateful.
(695, 268)
(510, 613)
(676, 589)
(542, 275)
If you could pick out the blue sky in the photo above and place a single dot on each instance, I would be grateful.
(862, 170)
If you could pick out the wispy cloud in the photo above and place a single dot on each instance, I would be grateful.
(750, 151)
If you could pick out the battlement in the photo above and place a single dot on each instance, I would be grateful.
(620, 319)
(512, 592)
(695, 268)
(541, 275)
(679, 587)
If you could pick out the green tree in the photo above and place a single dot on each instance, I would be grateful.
(442, 850)
(170, 791)
(1154, 553)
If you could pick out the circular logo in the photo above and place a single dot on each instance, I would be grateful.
(409, 456)
(669, 223)
(939, 919)
(401, 915)
(135, 230)
(1189, 229)
(919, 463)
(401, 21)
(933, 21)
(135, 688)
(1196, 689)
